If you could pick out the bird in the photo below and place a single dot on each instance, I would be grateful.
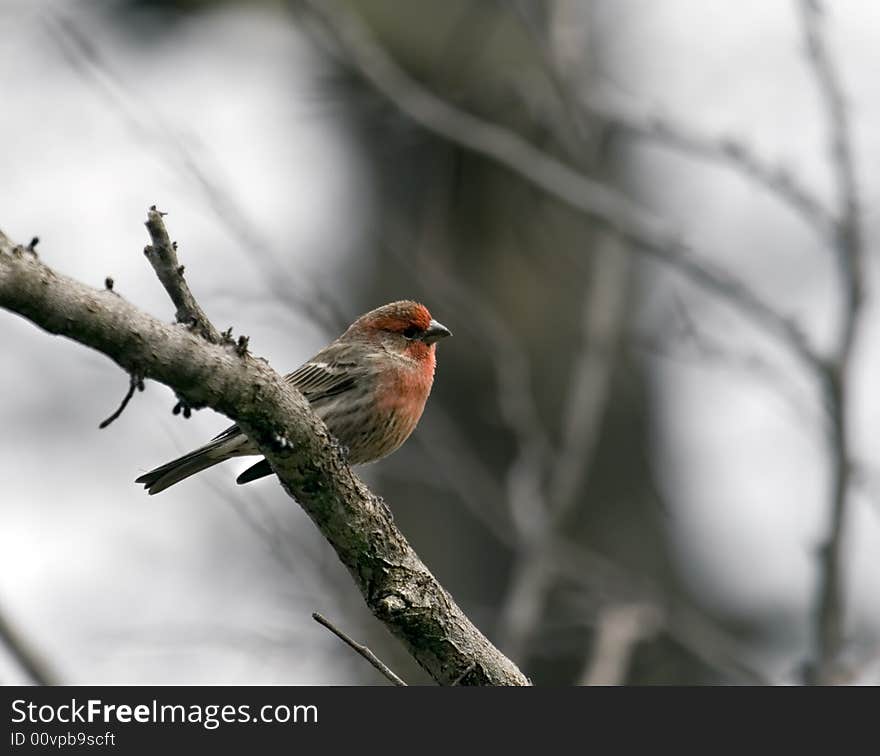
(369, 386)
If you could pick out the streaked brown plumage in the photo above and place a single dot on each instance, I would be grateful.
(369, 387)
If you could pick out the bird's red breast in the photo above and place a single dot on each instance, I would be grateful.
(402, 381)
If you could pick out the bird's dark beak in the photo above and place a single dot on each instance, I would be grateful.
(434, 332)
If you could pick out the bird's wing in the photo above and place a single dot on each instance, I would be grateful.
(324, 376)
(320, 379)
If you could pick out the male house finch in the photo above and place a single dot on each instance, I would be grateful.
(369, 387)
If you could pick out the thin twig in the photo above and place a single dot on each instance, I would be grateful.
(163, 257)
(360, 649)
(134, 382)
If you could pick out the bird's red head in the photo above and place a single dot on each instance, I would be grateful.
(404, 327)
(398, 317)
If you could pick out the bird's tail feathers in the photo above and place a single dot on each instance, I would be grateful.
(195, 461)
(260, 470)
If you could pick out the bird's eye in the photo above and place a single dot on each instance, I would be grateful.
(411, 332)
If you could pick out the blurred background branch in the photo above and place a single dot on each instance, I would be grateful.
(850, 251)
(647, 233)
(23, 653)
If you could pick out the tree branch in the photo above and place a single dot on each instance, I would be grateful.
(163, 257)
(397, 587)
